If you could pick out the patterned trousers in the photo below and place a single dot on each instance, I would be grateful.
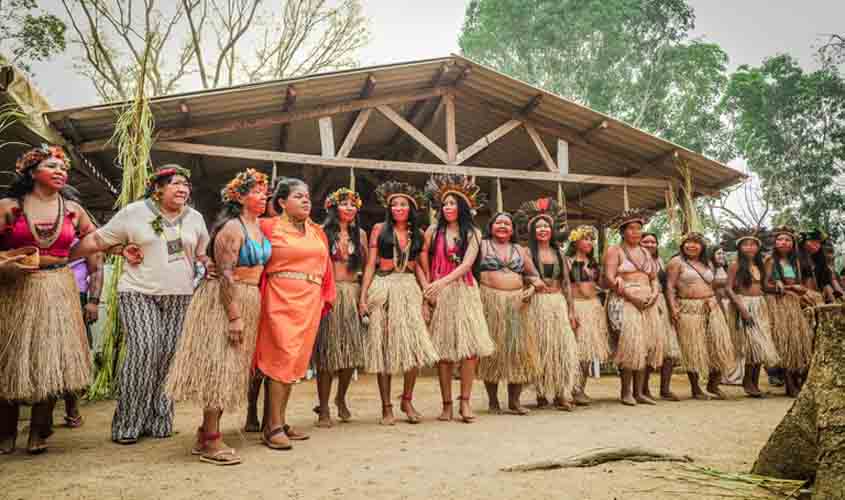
(153, 324)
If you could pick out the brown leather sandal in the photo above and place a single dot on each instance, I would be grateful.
(293, 435)
(267, 439)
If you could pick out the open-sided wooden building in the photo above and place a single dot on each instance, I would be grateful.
(402, 121)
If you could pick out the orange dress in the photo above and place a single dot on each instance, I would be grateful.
(292, 302)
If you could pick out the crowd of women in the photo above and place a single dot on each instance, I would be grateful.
(268, 293)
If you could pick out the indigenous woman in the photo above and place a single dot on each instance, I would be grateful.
(671, 349)
(551, 312)
(298, 287)
(591, 320)
(703, 332)
(632, 275)
(785, 288)
(340, 340)
(749, 314)
(214, 356)
(504, 266)
(458, 328)
(817, 275)
(392, 298)
(166, 239)
(44, 351)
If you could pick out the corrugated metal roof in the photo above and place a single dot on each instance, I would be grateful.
(484, 100)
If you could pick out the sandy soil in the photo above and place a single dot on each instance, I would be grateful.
(432, 460)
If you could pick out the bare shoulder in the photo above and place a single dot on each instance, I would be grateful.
(8, 204)
(674, 262)
(377, 229)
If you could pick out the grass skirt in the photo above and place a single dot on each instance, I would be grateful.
(43, 346)
(340, 339)
(515, 360)
(754, 344)
(640, 339)
(458, 327)
(791, 331)
(704, 337)
(207, 369)
(397, 340)
(671, 348)
(591, 336)
(548, 320)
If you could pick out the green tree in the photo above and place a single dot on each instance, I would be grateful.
(631, 59)
(790, 127)
(28, 34)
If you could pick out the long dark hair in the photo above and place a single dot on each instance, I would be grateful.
(704, 257)
(331, 226)
(534, 246)
(466, 225)
(231, 210)
(489, 234)
(386, 236)
(743, 272)
(818, 263)
(792, 258)
(572, 251)
(283, 189)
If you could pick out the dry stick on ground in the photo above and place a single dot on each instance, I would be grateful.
(809, 443)
(592, 458)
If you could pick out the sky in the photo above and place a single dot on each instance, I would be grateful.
(405, 30)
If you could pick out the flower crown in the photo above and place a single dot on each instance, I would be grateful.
(165, 171)
(242, 184)
(441, 185)
(341, 195)
(546, 208)
(630, 215)
(36, 155)
(391, 189)
(583, 232)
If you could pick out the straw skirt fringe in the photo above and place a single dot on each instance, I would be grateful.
(458, 327)
(340, 339)
(704, 337)
(591, 335)
(791, 331)
(671, 348)
(640, 339)
(754, 343)
(207, 369)
(397, 340)
(516, 359)
(548, 320)
(43, 347)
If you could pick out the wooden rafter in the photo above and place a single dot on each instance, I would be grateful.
(531, 106)
(326, 137)
(548, 161)
(354, 132)
(398, 166)
(595, 129)
(411, 130)
(428, 126)
(481, 144)
(394, 144)
(451, 139)
(366, 91)
(288, 106)
(227, 126)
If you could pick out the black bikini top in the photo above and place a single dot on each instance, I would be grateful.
(580, 272)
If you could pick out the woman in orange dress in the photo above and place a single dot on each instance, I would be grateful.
(297, 287)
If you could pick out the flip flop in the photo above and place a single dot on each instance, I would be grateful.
(126, 441)
(226, 456)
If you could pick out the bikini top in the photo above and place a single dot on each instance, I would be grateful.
(580, 272)
(490, 261)
(626, 265)
(253, 253)
(17, 234)
(690, 275)
(551, 271)
(337, 255)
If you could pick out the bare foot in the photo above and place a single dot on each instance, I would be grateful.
(562, 404)
(517, 409)
(494, 407)
(581, 399)
(446, 414)
(717, 393)
(7, 445)
(343, 412)
(466, 411)
(37, 445)
(411, 414)
(387, 417)
(324, 420)
(700, 396)
(542, 402)
(628, 401)
(645, 400)
(252, 423)
(669, 396)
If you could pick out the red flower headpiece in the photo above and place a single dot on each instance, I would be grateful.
(35, 156)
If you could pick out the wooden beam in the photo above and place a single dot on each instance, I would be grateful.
(595, 129)
(532, 105)
(394, 144)
(366, 91)
(354, 133)
(399, 166)
(226, 126)
(327, 137)
(411, 130)
(288, 106)
(541, 148)
(428, 126)
(451, 139)
(481, 144)
(563, 156)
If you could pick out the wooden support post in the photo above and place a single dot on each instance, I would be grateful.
(411, 130)
(451, 139)
(327, 137)
(500, 202)
(541, 148)
(562, 156)
(288, 106)
(481, 144)
(354, 133)
(428, 127)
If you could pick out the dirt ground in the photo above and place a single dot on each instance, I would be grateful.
(433, 460)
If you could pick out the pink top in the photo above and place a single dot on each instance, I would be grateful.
(18, 235)
(446, 260)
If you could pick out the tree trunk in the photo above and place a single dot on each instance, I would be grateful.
(809, 443)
